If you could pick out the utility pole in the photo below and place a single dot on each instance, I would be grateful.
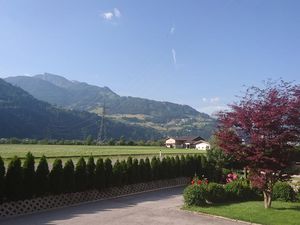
(102, 130)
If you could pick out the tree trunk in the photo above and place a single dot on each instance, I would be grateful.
(267, 199)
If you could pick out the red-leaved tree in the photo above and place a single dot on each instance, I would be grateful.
(262, 130)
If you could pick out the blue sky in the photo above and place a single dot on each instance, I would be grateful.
(199, 53)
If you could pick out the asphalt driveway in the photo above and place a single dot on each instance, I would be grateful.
(157, 207)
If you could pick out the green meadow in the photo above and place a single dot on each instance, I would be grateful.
(7, 151)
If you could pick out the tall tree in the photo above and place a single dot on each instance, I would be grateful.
(29, 176)
(90, 168)
(69, 176)
(42, 176)
(80, 175)
(2, 179)
(56, 177)
(262, 130)
(100, 174)
(13, 182)
(108, 172)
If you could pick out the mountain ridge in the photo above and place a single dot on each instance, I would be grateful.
(23, 116)
(167, 117)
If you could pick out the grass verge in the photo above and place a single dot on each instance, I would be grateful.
(281, 213)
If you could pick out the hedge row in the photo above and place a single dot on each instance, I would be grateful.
(208, 193)
(28, 181)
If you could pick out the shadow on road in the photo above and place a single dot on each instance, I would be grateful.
(49, 217)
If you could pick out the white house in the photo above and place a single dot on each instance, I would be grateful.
(202, 145)
(183, 142)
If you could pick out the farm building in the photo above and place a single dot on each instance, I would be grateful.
(187, 142)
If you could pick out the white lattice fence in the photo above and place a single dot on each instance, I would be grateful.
(55, 201)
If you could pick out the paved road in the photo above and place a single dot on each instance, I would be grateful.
(158, 207)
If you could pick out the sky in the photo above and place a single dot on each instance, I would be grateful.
(194, 52)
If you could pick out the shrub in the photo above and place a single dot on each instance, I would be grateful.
(164, 168)
(142, 170)
(117, 174)
(29, 176)
(215, 193)
(195, 195)
(124, 175)
(177, 166)
(182, 166)
(283, 191)
(100, 174)
(108, 172)
(13, 184)
(90, 169)
(80, 175)
(68, 176)
(130, 170)
(56, 177)
(239, 190)
(155, 168)
(42, 173)
(135, 171)
(2, 180)
(147, 170)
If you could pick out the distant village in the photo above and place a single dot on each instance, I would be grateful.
(195, 142)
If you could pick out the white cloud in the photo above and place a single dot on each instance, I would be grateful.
(117, 13)
(212, 109)
(204, 99)
(174, 56)
(214, 99)
(172, 30)
(110, 15)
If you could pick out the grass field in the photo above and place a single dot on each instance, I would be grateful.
(281, 213)
(74, 151)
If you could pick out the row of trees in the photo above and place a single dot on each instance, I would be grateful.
(88, 141)
(27, 181)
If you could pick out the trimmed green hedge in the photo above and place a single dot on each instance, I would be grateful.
(24, 181)
(200, 192)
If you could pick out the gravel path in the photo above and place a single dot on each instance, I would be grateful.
(157, 207)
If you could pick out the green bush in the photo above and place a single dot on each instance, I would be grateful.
(80, 175)
(142, 170)
(136, 171)
(215, 193)
(155, 168)
(239, 190)
(177, 166)
(130, 170)
(13, 184)
(147, 170)
(117, 174)
(108, 172)
(2, 179)
(100, 174)
(56, 177)
(68, 176)
(164, 169)
(195, 195)
(29, 176)
(124, 175)
(282, 191)
(90, 169)
(182, 166)
(42, 176)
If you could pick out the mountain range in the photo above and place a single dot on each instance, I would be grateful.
(23, 116)
(160, 118)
